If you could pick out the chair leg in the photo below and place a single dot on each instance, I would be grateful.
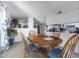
(25, 53)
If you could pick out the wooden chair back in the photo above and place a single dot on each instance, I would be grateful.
(24, 40)
(56, 34)
(32, 34)
(69, 47)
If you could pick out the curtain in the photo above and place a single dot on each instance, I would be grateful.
(3, 26)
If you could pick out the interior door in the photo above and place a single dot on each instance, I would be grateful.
(38, 29)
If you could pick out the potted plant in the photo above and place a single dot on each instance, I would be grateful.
(11, 34)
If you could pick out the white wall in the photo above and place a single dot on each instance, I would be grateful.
(30, 22)
(25, 31)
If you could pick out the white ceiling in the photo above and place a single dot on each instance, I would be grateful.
(14, 10)
(39, 9)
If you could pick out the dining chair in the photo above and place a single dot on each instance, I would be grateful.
(68, 49)
(32, 34)
(56, 34)
(28, 47)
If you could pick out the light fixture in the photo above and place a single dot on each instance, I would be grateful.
(59, 12)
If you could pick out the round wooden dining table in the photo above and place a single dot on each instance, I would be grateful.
(46, 42)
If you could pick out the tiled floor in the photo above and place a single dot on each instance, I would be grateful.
(16, 51)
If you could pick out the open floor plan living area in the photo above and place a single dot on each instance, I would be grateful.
(39, 29)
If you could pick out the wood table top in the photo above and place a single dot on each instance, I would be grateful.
(41, 41)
